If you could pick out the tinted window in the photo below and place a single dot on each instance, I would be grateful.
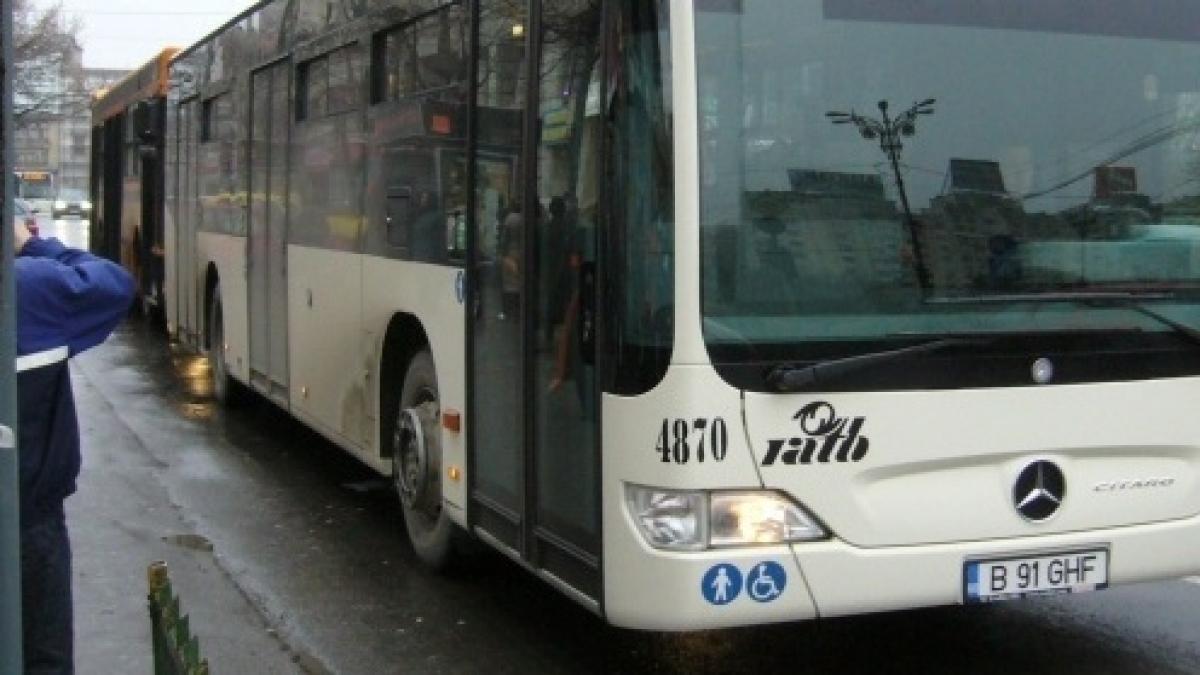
(421, 56)
(419, 88)
(314, 88)
(330, 84)
(875, 171)
(641, 319)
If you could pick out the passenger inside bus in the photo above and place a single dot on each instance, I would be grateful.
(510, 263)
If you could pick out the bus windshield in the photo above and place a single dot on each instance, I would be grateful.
(35, 185)
(874, 172)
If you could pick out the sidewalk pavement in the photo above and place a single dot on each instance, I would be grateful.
(120, 521)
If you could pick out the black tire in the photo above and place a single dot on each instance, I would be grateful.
(417, 480)
(226, 390)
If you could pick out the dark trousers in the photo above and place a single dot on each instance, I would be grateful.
(46, 616)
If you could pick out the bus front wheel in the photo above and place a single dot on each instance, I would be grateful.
(417, 464)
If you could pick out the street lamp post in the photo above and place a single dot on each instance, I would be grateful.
(889, 131)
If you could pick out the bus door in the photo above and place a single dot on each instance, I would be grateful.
(534, 415)
(148, 250)
(267, 273)
(187, 269)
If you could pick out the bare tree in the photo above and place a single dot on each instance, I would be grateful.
(47, 72)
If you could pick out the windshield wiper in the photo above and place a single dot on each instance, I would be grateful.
(793, 378)
(1124, 300)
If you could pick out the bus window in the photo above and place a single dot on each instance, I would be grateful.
(314, 89)
(642, 324)
(345, 66)
(419, 106)
(421, 57)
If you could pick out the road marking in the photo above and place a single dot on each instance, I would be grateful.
(1192, 580)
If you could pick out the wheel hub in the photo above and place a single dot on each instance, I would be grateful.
(413, 457)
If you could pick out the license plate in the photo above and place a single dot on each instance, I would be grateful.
(1051, 574)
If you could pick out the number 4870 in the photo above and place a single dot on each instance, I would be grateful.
(680, 439)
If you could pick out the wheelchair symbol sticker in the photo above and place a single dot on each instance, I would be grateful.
(722, 584)
(766, 581)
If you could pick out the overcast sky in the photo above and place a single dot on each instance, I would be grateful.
(127, 33)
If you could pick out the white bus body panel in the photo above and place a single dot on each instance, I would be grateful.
(941, 466)
(652, 589)
(932, 492)
(328, 362)
(848, 580)
(431, 294)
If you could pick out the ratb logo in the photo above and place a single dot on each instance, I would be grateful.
(824, 438)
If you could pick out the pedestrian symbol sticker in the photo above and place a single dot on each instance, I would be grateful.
(766, 581)
(722, 584)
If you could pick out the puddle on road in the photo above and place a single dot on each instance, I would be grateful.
(193, 542)
(193, 372)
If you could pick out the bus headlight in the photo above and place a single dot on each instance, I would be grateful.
(747, 518)
(681, 520)
(60, 205)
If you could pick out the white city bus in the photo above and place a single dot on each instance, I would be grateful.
(718, 312)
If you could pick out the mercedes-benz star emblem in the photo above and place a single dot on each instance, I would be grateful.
(1039, 490)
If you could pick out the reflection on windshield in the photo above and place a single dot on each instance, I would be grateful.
(889, 131)
(855, 168)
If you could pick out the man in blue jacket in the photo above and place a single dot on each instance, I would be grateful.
(67, 301)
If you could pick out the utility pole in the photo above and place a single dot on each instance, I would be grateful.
(10, 506)
(889, 130)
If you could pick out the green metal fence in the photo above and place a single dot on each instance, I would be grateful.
(176, 651)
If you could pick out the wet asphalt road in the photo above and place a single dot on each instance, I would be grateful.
(317, 544)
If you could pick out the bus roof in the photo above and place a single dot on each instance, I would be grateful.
(149, 81)
(222, 28)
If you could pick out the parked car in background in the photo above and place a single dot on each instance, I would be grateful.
(23, 213)
(71, 203)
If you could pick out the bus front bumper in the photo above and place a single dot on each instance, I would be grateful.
(847, 580)
(737, 587)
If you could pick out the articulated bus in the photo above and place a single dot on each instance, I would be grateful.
(712, 312)
(128, 136)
